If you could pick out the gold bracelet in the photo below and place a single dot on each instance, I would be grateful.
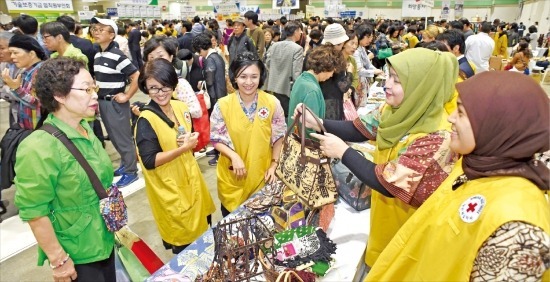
(275, 161)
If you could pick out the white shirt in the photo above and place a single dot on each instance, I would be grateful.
(479, 48)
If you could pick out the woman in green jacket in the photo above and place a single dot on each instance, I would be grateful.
(321, 63)
(53, 192)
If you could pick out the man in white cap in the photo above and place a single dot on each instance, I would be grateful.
(284, 61)
(112, 71)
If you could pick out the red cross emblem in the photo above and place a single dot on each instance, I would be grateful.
(263, 113)
(470, 210)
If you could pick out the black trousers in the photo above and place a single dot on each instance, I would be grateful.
(99, 271)
(177, 249)
(285, 101)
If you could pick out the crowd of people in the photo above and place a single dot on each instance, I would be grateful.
(457, 144)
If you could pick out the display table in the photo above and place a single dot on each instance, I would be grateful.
(349, 229)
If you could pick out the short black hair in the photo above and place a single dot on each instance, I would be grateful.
(283, 20)
(196, 19)
(456, 25)
(412, 30)
(55, 29)
(465, 21)
(26, 23)
(486, 27)
(270, 22)
(315, 34)
(436, 46)
(532, 29)
(243, 61)
(68, 22)
(362, 31)
(202, 41)
(187, 25)
(156, 41)
(453, 38)
(291, 28)
(251, 15)
(55, 77)
(161, 70)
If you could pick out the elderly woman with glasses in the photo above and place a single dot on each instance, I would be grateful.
(53, 192)
(247, 129)
(180, 201)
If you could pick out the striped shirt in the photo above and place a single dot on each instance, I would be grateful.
(112, 69)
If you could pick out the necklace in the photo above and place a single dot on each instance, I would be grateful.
(172, 116)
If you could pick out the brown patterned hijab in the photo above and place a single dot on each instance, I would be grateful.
(510, 117)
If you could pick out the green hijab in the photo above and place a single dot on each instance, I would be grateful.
(428, 78)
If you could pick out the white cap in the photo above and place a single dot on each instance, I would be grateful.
(334, 34)
(108, 22)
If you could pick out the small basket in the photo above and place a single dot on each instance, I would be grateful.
(270, 273)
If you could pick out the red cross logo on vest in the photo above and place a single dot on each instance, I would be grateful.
(263, 113)
(470, 210)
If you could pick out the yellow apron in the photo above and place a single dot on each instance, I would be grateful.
(389, 214)
(177, 192)
(252, 141)
(437, 244)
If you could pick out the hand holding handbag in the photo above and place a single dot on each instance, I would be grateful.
(111, 202)
(304, 169)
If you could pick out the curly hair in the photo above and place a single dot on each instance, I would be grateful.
(55, 79)
(202, 41)
(323, 59)
(161, 70)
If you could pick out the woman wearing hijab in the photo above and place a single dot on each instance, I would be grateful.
(490, 216)
(27, 55)
(412, 136)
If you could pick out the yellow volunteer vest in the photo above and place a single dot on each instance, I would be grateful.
(177, 192)
(252, 142)
(437, 244)
(389, 214)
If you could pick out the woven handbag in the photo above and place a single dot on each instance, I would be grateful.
(304, 169)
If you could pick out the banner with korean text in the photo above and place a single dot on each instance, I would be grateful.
(412, 9)
(39, 5)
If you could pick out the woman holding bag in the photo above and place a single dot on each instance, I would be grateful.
(247, 129)
(492, 205)
(412, 136)
(180, 201)
(54, 194)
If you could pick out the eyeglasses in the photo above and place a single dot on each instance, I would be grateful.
(154, 90)
(46, 36)
(90, 90)
(98, 30)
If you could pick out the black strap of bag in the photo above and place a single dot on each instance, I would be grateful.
(96, 183)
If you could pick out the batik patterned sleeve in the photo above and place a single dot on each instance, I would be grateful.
(368, 124)
(516, 251)
(419, 168)
(184, 92)
(218, 128)
(278, 123)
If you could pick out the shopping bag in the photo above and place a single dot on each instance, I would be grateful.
(131, 263)
(304, 169)
(143, 253)
(385, 53)
(350, 188)
(202, 125)
(121, 273)
(204, 93)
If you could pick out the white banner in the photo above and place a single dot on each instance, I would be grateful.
(459, 8)
(226, 8)
(188, 11)
(86, 15)
(40, 5)
(412, 9)
(445, 9)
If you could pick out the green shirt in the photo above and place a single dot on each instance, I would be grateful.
(73, 52)
(306, 90)
(50, 182)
